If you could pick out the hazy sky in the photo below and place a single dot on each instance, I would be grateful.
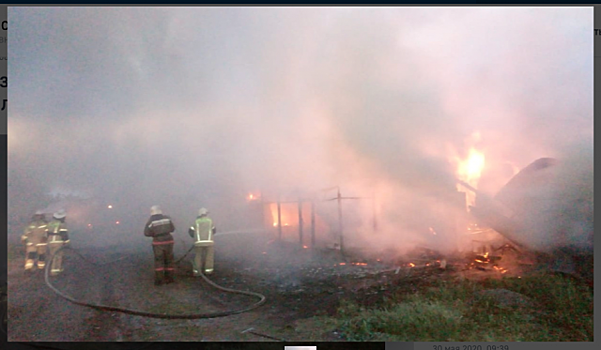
(206, 104)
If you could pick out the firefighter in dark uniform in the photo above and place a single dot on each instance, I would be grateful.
(58, 236)
(202, 231)
(160, 227)
(35, 239)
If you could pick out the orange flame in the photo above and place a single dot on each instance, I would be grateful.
(285, 214)
(469, 169)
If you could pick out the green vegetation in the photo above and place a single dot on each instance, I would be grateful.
(549, 308)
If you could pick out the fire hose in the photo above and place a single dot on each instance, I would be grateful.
(261, 297)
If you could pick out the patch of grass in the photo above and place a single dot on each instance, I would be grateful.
(314, 327)
(455, 311)
(416, 319)
(568, 304)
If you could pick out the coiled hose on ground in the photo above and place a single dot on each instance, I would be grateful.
(261, 297)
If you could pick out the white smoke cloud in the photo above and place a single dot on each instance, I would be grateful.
(189, 107)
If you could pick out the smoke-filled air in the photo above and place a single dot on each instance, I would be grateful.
(222, 107)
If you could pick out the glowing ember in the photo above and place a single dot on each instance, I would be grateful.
(305, 247)
(411, 265)
(342, 263)
(483, 259)
(116, 222)
(500, 269)
(110, 206)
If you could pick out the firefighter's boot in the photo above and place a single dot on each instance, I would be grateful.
(29, 262)
(169, 276)
(41, 261)
(158, 278)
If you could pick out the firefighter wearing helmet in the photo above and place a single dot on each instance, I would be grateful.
(35, 239)
(58, 236)
(202, 231)
(160, 227)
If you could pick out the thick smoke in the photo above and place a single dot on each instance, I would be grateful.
(190, 107)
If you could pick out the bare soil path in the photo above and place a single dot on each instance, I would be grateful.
(298, 283)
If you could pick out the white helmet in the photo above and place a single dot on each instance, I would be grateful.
(155, 209)
(202, 211)
(59, 214)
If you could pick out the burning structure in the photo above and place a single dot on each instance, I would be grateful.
(540, 210)
(306, 220)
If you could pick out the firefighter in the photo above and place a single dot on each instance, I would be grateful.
(35, 239)
(202, 232)
(58, 236)
(160, 227)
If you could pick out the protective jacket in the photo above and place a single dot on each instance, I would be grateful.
(58, 235)
(202, 231)
(35, 238)
(159, 227)
(35, 232)
(57, 230)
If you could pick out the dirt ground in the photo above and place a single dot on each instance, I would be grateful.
(298, 284)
